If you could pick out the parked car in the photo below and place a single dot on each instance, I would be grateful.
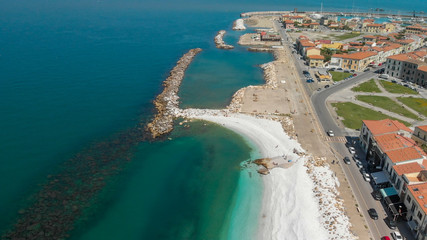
(305, 72)
(396, 235)
(339, 69)
(391, 223)
(385, 76)
(326, 86)
(366, 177)
(331, 133)
(310, 80)
(352, 71)
(377, 195)
(347, 160)
(354, 75)
(359, 164)
(385, 238)
(346, 71)
(367, 70)
(332, 69)
(393, 81)
(373, 214)
(352, 150)
(356, 157)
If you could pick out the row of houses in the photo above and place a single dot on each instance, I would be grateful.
(410, 67)
(395, 149)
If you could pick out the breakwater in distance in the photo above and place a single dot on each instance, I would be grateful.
(167, 102)
(219, 42)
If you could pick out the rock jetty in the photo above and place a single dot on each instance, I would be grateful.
(219, 42)
(239, 25)
(167, 102)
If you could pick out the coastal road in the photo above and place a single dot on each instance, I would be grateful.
(318, 100)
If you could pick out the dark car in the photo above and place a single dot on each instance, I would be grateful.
(305, 72)
(366, 70)
(377, 195)
(332, 69)
(391, 223)
(393, 81)
(346, 71)
(310, 80)
(373, 213)
(326, 86)
(339, 69)
(347, 160)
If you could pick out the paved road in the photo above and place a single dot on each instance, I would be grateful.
(319, 102)
(361, 189)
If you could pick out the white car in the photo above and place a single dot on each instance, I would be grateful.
(359, 164)
(331, 133)
(352, 150)
(366, 177)
(396, 235)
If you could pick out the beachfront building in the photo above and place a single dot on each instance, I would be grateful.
(386, 130)
(421, 76)
(303, 43)
(416, 203)
(270, 36)
(410, 69)
(387, 50)
(314, 25)
(357, 61)
(310, 51)
(315, 60)
(323, 75)
(373, 28)
(288, 24)
(420, 134)
(416, 29)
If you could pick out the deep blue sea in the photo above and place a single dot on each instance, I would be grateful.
(77, 79)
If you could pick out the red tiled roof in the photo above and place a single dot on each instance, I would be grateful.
(306, 43)
(378, 127)
(399, 57)
(317, 57)
(404, 154)
(374, 25)
(406, 168)
(356, 56)
(424, 127)
(424, 69)
(405, 41)
(314, 23)
(393, 141)
(289, 21)
(419, 193)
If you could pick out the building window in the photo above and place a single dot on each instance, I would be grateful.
(419, 215)
(413, 207)
(398, 184)
(408, 198)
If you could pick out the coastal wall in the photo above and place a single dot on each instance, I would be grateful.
(219, 42)
(248, 14)
(167, 102)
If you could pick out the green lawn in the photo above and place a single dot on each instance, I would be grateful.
(347, 36)
(353, 114)
(396, 88)
(387, 104)
(338, 76)
(369, 86)
(418, 104)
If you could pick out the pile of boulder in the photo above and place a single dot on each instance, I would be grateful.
(219, 42)
(167, 102)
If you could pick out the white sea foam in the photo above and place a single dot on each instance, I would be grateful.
(299, 202)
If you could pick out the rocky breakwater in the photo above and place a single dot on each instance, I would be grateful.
(239, 25)
(167, 102)
(219, 42)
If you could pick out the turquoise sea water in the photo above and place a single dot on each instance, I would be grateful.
(76, 77)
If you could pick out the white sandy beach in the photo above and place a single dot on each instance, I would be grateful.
(292, 207)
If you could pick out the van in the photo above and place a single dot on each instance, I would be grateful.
(385, 76)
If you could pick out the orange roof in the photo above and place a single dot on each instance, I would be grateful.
(407, 41)
(368, 20)
(374, 25)
(314, 23)
(297, 17)
(406, 168)
(423, 68)
(419, 191)
(393, 141)
(399, 57)
(306, 43)
(356, 56)
(404, 154)
(309, 48)
(369, 36)
(378, 127)
(318, 57)
(424, 127)
(289, 21)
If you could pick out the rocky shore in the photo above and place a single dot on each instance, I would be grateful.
(219, 42)
(239, 25)
(167, 102)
